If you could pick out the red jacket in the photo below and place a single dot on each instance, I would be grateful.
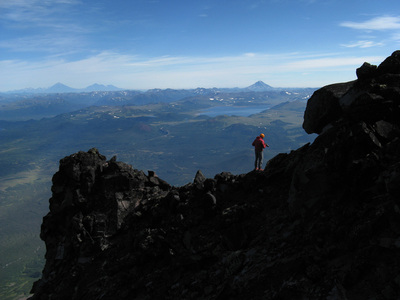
(259, 144)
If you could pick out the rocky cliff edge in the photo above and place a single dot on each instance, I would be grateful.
(321, 222)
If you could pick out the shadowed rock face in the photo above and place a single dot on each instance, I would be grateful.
(374, 96)
(321, 222)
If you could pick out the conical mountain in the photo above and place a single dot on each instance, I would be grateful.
(60, 88)
(259, 86)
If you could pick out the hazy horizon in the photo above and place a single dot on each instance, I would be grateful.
(146, 44)
(139, 89)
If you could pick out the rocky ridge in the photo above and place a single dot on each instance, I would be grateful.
(321, 222)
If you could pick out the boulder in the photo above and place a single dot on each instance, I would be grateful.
(323, 107)
(366, 71)
(374, 96)
(390, 65)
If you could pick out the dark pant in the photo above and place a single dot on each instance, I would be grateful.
(259, 159)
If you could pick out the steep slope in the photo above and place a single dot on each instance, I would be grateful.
(321, 222)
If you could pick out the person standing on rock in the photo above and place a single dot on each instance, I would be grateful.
(259, 146)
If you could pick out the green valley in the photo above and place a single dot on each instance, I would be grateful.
(174, 139)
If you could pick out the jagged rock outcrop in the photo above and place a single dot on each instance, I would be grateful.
(321, 222)
(374, 96)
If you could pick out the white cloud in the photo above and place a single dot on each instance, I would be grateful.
(49, 43)
(378, 23)
(35, 4)
(328, 63)
(362, 44)
(47, 26)
(39, 13)
(386, 26)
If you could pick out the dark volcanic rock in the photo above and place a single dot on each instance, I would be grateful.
(366, 71)
(390, 65)
(323, 107)
(321, 222)
(373, 97)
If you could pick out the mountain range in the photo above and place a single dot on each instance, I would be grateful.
(259, 86)
(49, 102)
(62, 88)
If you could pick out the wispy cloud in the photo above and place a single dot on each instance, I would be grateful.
(47, 13)
(363, 44)
(377, 23)
(48, 43)
(387, 26)
(47, 26)
(326, 63)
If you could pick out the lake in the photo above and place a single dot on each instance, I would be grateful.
(241, 111)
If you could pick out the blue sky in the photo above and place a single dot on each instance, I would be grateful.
(143, 44)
